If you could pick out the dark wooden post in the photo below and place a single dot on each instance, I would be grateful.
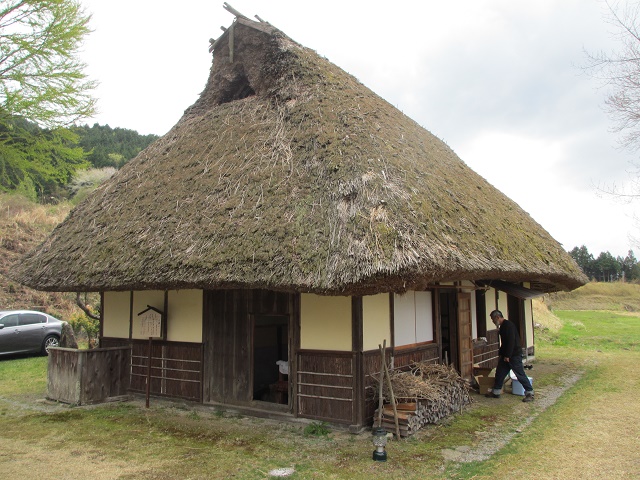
(149, 373)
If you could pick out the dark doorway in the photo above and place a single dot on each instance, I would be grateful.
(449, 327)
(271, 358)
(516, 316)
(245, 333)
(481, 312)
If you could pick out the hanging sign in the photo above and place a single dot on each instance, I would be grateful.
(150, 323)
(151, 327)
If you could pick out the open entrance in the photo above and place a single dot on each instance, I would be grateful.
(516, 316)
(456, 331)
(449, 327)
(271, 358)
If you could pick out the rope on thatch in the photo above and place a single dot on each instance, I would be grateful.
(426, 393)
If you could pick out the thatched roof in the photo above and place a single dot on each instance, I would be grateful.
(290, 174)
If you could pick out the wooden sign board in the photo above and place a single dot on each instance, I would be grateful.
(151, 324)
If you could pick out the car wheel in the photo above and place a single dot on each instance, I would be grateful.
(50, 341)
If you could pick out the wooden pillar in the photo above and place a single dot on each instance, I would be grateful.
(101, 332)
(358, 364)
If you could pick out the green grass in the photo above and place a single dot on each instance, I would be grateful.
(598, 330)
(591, 431)
(23, 375)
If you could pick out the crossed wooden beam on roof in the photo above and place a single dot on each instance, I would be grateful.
(237, 14)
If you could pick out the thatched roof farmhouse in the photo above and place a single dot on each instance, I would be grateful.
(288, 173)
(290, 176)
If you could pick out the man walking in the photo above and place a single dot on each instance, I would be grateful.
(510, 357)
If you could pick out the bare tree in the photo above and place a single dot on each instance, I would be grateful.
(620, 73)
(83, 306)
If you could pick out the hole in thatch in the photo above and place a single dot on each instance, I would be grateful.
(237, 89)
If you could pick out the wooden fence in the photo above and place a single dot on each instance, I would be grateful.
(326, 386)
(176, 369)
(83, 377)
(485, 354)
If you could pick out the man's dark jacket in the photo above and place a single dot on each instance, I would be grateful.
(509, 340)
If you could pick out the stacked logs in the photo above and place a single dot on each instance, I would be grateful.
(426, 393)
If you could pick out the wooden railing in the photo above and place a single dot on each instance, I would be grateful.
(83, 377)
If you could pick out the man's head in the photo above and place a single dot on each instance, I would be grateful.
(496, 317)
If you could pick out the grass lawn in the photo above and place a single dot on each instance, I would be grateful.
(590, 432)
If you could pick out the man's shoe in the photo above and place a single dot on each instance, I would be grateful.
(528, 398)
(491, 395)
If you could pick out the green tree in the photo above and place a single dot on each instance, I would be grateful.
(584, 259)
(628, 264)
(111, 147)
(35, 162)
(41, 77)
(608, 268)
(42, 84)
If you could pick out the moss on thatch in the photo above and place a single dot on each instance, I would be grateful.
(289, 174)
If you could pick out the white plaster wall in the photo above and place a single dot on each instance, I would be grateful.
(376, 322)
(116, 313)
(184, 318)
(325, 322)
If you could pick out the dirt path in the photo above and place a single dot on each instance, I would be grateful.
(593, 433)
(496, 437)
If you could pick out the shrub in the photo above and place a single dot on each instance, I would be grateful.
(83, 326)
(317, 429)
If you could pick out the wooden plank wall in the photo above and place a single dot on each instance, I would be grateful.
(486, 355)
(176, 369)
(426, 353)
(228, 337)
(84, 377)
(326, 383)
(401, 358)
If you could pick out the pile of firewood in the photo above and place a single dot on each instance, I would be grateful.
(426, 393)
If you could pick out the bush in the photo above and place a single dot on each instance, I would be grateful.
(85, 327)
(317, 429)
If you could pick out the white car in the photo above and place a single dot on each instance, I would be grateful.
(28, 331)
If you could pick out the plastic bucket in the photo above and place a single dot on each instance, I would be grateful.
(516, 386)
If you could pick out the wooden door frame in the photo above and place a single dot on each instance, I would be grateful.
(464, 345)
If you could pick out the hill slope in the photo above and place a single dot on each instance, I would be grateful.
(615, 296)
(23, 226)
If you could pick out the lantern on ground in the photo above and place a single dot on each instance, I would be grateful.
(380, 442)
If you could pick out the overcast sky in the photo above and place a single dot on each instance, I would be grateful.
(498, 80)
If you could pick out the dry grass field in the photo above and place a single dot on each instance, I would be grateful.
(24, 225)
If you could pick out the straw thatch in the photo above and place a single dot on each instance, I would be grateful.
(289, 174)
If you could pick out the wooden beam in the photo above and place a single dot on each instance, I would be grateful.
(233, 11)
